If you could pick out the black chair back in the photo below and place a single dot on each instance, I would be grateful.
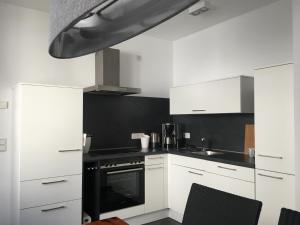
(289, 217)
(207, 206)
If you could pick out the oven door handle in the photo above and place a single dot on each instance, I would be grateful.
(125, 171)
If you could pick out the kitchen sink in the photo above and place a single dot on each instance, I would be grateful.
(207, 153)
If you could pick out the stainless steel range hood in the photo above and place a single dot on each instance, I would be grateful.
(107, 75)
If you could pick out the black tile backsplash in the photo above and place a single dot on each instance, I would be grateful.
(112, 119)
(225, 131)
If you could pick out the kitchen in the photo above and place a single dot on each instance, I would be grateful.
(262, 37)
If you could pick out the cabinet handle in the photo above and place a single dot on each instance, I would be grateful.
(200, 174)
(70, 150)
(270, 156)
(52, 209)
(226, 168)
(199, 110)
(157, 157)
(154, 168)
(273, 177)
(54, 182)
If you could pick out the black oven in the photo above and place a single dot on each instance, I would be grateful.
(121, 186)
(113, 184)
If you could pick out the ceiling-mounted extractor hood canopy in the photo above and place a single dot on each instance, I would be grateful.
(80, 27)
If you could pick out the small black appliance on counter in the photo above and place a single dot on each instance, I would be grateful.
(172, 135)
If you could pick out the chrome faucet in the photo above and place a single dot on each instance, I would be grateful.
(203, 143)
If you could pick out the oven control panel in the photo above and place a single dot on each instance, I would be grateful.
(113, 165)
(120, 162)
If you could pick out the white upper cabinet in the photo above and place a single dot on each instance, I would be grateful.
(274, 119)
(232, 95)
(49, 131)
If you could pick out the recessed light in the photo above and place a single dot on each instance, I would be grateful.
(198, 8)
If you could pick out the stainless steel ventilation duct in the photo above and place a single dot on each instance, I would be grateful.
(107, 75)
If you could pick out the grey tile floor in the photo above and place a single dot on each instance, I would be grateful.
(166, 221)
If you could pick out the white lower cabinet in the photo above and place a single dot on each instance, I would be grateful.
(179, 187)
(156, 168)
(59, 214)
(181, 178)
(275, 190)
(154, 188)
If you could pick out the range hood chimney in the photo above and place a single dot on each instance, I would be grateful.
(107, 75)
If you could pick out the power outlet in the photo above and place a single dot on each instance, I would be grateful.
(135, 136)
(3, 105)
(187, 135)
(3, 144)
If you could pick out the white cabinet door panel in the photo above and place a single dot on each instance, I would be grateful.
(179, 188)
(222, 96)
(275, 190)
(182, 99)
(274, 119)
(50, 131)
(154, 188)
(58, 214)
(232, 95)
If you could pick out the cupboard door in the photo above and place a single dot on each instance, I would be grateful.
(232, 95)
(182, 99)
(50, 131)
(223, 96)
(154, 188)
(275, 190)
(274, 119)
(179, 188)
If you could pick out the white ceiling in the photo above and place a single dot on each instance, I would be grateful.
(220, 10)
(42, 5)
(182, 24)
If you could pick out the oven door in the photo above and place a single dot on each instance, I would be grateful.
(121, 187)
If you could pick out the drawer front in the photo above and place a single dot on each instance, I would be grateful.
(223, 169)
(58, 214)
(154, 159)
(233, 186)
(189, 162)
(49, 191)
(238, 172)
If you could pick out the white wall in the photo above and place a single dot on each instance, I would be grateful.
(145, 62)
(296, 25)
(237, 46)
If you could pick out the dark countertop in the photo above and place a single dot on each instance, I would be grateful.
(227, 157)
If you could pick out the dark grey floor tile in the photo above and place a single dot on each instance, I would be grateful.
(166, 221)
